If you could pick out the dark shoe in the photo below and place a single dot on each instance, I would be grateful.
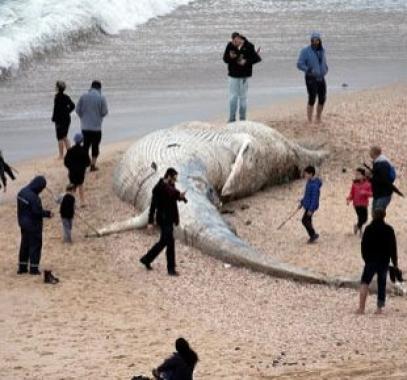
(355, 229)
(49, 278)
(22, 269)
(35, 271)
(147, 265)
(173, 273)
(94, 168)
(313, 239)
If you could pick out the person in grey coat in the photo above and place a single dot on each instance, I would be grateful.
(312, 61)
(91, 109)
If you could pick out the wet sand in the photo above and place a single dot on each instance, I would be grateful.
(109, 318)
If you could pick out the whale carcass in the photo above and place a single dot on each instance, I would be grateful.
(214, 163)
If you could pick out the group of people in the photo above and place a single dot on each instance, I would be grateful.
(240, 55)
(379, 245)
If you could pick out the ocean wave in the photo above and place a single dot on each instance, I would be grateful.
(30, 27)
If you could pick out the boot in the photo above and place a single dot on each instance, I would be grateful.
(49, 278)
(319, 113)
(34, 271)
(310, 111)
(22, 269)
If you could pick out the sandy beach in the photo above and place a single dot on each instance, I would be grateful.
(109, 318)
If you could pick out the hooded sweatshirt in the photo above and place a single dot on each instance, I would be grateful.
(92, 108)
(312, 61)
(177, 368)
(29, 207)
(381, 184)
(310, 201)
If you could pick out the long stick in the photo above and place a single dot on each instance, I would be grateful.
(288, 219)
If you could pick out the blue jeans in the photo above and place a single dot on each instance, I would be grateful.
(381, 203)
(237, 94)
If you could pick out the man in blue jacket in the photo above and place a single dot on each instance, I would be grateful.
(310, 201)
(312, 62)
(30, 219)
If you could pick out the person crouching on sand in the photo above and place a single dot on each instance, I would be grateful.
(76, 161)
(379, 246)
(312, 61)
(164, 209)
(359, 195)
(180, 366)
(310, 201)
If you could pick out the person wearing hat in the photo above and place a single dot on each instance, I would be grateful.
(312, 61)
(76, 161)
(30, 216)
(240, 56)
(63, 107)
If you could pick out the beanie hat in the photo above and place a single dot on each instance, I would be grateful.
(78, 138)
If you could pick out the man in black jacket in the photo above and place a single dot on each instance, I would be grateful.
(164, 209)
(379, 246)
(5, 169)
(30, 219)
(240, 56)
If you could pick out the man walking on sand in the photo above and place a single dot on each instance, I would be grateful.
(312, 62)
(164, 209)
(240, 56)
(379, 246)
(92, 108)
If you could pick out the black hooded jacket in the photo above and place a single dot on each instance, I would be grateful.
(29, 207)
(178, 367)
(246, 52)
(63, 106)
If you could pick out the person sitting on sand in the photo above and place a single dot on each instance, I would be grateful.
(30, 219)
(63, 107)
(180, 366)
(310, 201)
(164, 209)
(76, 161)
(359, 194)
(379, 246)
(92, 108)
(5, 169)
(240, 56)
(67, 212)
(312, 61)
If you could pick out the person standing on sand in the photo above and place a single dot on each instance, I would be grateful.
(181, 365)
(76, 161)
(310, 202)
(383, 175)
(63, 106)
(240, 56)
(312, 61)
(164, 209)
(67, 212)
(92, 108)
(5, 169)
(379, 246)
(30, 219)
(359, 195)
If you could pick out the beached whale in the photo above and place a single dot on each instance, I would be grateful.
(214, 163)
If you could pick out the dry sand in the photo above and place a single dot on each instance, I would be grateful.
(109, 318)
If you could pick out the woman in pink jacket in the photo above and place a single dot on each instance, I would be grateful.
(359, 195)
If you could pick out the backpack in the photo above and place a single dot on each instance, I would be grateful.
(392, 173)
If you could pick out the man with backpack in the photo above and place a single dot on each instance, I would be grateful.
(383, 175)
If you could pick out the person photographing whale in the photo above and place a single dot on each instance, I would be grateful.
(164, 210)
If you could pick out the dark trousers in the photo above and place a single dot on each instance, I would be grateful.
(361, 212)
(367, 276)
(92, 139)
(315, 88)
(30, 248)
(307, 223)
(166, 240)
